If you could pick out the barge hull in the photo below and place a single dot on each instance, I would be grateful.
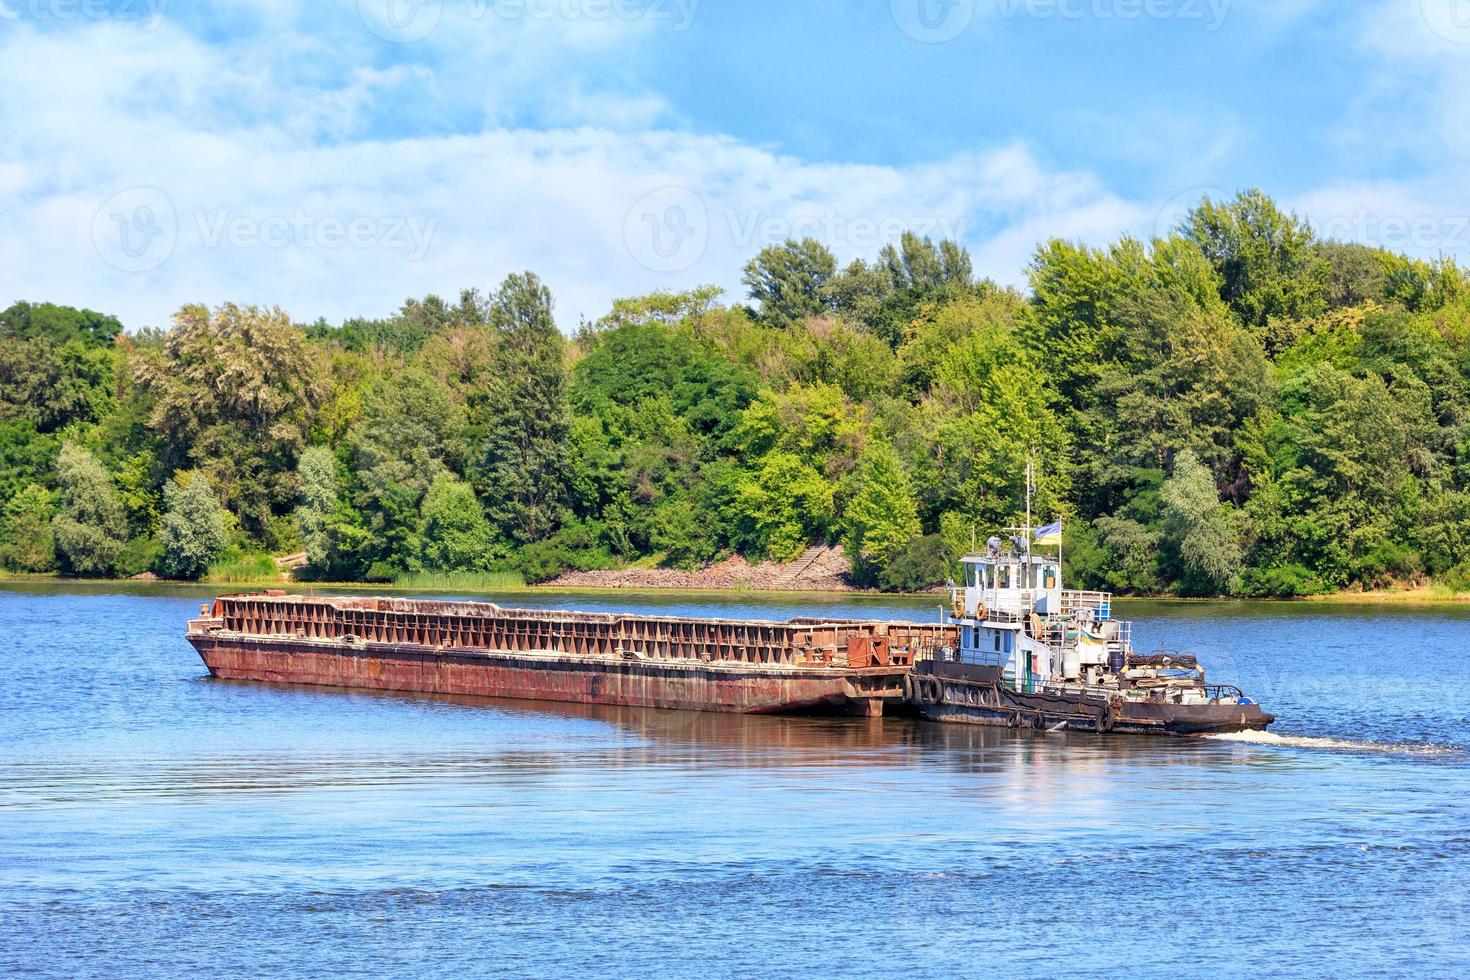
(483, 650)
(549, 676)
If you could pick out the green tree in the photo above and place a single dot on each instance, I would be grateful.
(523, 469)
(27, 543)
(989, 416)
(194, 532)
(411, 432)
(331, 531)
(818, 423)
(1130, 555)
(1201, 531)
(54, 386)
(661, 308)
(831, 351)
(59, 325)
(27, 456)
(916, 273)
(454, 534)
(1266, 258)
(880, 518)
(1189, 378)
(922, 563)
(233, 393)
(791, 281)
(1146, 358)
(782, 507)
(1332, 474)
(90, 525)
(930, 337)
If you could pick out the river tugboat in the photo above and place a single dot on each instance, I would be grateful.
(1031, 654)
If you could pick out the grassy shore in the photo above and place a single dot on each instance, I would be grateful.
(1428, 595)
(472, 583)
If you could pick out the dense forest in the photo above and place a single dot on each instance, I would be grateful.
(1241, 408)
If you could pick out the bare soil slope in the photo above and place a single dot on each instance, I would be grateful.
(821, 569)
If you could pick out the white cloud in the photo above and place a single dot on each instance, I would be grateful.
(232, 183)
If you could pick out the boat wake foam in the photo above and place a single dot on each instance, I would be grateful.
(1331, 744)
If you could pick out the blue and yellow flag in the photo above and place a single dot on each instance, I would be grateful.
(1049, 536)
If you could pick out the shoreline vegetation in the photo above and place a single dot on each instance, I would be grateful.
(1238, 408)
(502, 585)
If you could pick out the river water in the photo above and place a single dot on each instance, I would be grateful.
(156, 822)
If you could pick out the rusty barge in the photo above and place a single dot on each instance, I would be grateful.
(480, 649)
(1014, 650)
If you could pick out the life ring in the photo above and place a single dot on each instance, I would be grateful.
(980, 611)
(958, 609)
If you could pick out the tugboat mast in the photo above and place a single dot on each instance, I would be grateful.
(1030, 465)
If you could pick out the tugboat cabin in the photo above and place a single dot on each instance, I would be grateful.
(1013, 614)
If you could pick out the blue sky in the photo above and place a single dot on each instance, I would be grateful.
(334, 157)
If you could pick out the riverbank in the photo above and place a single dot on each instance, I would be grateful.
(1402, 597)
(734, 577)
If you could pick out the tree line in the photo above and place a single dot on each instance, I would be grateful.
(1239, 408)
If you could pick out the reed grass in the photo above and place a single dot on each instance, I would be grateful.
(461, 581)
(246, 570)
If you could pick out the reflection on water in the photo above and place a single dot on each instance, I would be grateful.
(154, 821)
